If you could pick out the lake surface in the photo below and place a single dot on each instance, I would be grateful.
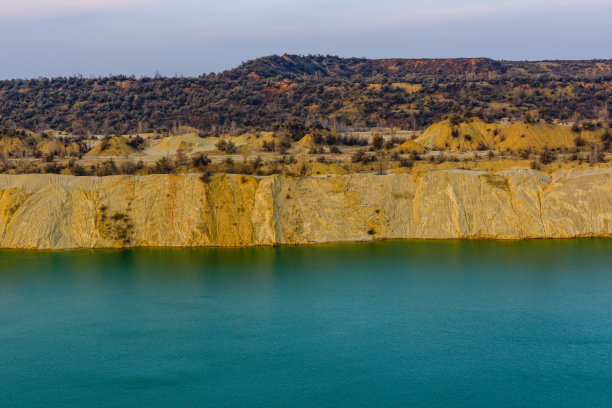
(389, 324)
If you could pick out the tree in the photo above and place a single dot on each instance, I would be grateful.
(377, 141)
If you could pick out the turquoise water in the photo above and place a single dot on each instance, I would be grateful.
(390, 324)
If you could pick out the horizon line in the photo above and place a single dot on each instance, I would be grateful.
(157, 74)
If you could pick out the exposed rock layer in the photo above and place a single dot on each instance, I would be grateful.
(62, 212)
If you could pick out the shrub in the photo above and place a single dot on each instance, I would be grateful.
(256, 164)
(129, 167)
(221, 145)
(406, 163)
(106, 168)
(269, 146)
(595, 156)
(589, 126)
(201, 160)
(53, 168)
(227, 147)
(529, 118)
(455, 119)
(547, 156)
(78, 170)
(206, 177)
(136, 142)
(362, 157)
(231, 148)
(415, 156)
(525, 153)
(606, 138)
(377, 142)
(352, 141)
(163, 166)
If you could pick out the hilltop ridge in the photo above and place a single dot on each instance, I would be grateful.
(291, 65)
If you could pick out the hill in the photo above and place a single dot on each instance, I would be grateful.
(115, 146)
(474, 134)
(299, 93)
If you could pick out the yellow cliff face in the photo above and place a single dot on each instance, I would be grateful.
(63, 212)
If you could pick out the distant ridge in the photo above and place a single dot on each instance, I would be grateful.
(286, 64)
(335, 66)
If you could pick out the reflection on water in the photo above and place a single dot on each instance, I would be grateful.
(180, 263)
(419, 323)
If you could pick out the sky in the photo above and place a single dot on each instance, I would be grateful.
(192, 37)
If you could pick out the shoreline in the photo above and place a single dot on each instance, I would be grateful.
(308, 245)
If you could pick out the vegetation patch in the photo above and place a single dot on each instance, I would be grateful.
(116, 227)
(497, 181)
(11, 200)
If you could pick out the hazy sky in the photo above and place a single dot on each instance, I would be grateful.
(190, 37)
